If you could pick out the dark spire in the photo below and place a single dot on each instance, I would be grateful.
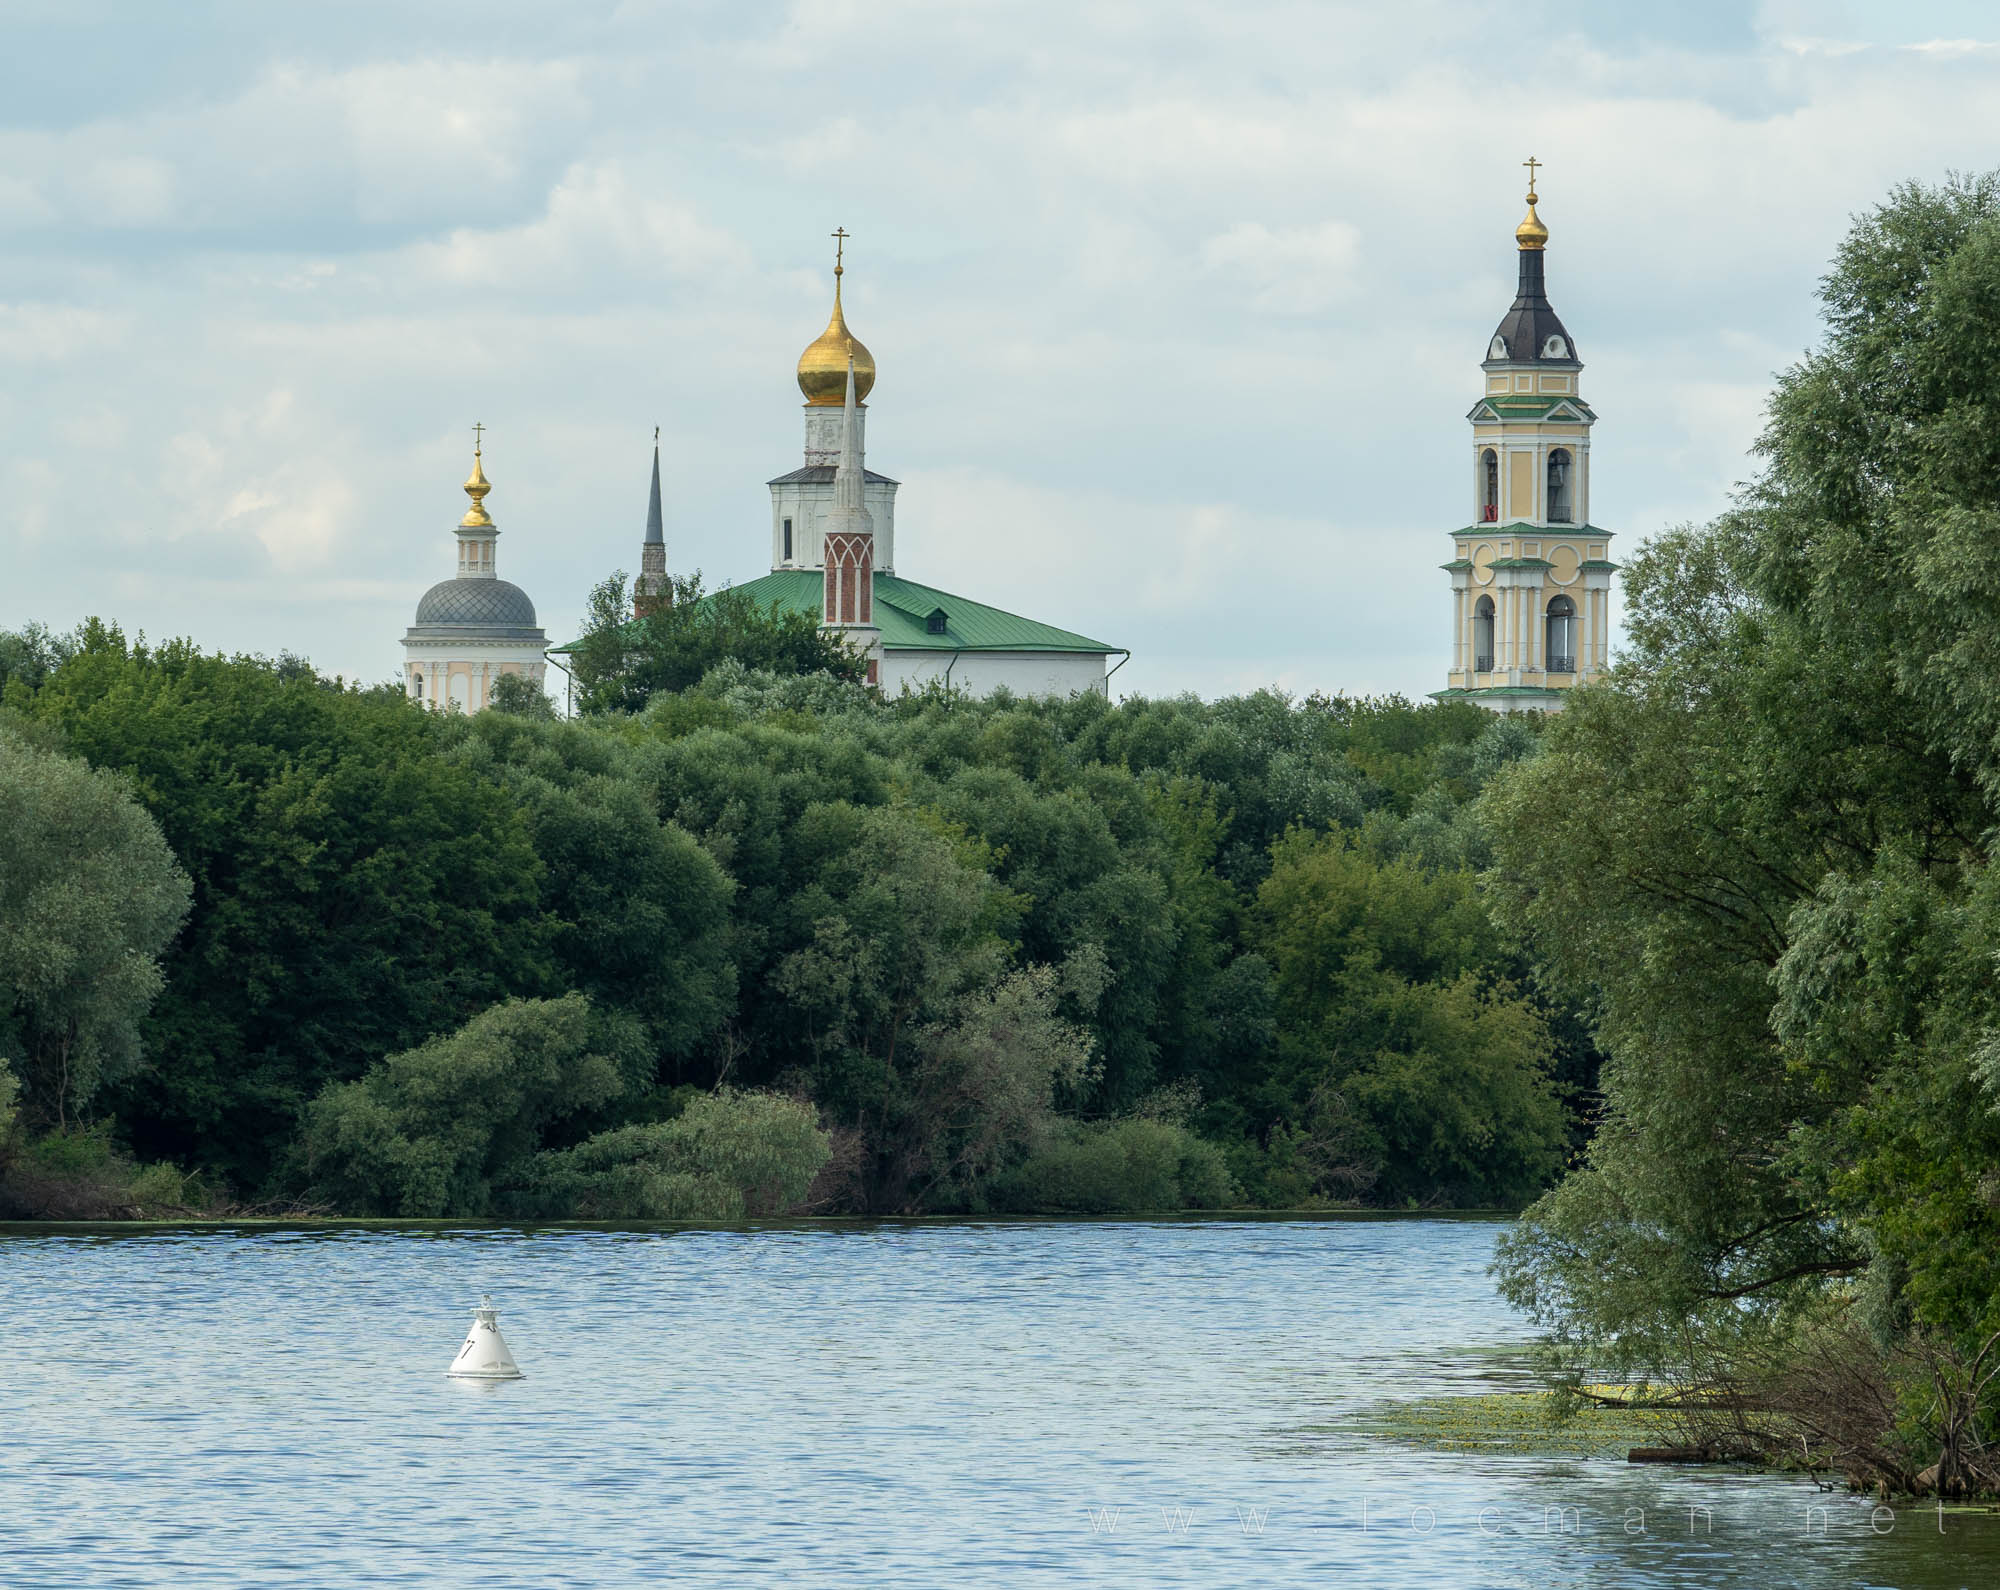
(1524, 336)
(656, 529)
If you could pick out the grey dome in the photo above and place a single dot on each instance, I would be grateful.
(482, 602)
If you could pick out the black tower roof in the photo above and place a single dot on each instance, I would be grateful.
(1525, 335)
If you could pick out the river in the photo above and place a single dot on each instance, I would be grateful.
(895, 1404)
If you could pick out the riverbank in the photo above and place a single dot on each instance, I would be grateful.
(1534, 1423)
(223, 1224)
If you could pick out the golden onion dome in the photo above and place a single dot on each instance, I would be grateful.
(1531, 233)
(476, 487)
(823, 366)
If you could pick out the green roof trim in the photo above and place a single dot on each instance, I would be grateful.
(1455, 565)
(902, 613)
(1522, 563)
(1499, 690)
(1600, 565)
(1530, 406)
(1528, 527)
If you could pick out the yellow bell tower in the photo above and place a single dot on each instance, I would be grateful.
(1530, 579)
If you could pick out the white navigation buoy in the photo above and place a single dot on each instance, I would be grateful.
(484, 1355)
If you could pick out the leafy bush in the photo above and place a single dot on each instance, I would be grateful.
(1131, 1166)
(82, 1174)
(433, 1130)
(725, 1156)
(459, 1126)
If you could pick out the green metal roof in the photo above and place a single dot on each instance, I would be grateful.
(903, 609)
(1521, 563)
(902, 613)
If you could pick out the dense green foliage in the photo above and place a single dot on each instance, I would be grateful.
(457, 1126)
(1765, 850)
(620, 662)
(89, 895)
(354, 891)
(1061, 955)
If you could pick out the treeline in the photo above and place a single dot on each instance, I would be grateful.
(760, 942)
(1765, 852)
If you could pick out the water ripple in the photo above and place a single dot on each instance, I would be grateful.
(885, 1405)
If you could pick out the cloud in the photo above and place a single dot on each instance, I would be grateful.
(1293, 270)
(394, 145)
(598, 221)
(52, 333)
(1178, 306)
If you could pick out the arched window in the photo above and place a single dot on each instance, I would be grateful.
(1559, 468)
(1490, 509)
(1562, 635)
(420, 687)
(1482, 636)
(788, 541)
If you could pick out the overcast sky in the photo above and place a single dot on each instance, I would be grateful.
(1178, 307)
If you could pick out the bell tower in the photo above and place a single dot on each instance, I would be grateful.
(1530, 578)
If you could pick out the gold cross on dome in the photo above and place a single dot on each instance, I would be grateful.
(1531, 163)
(840, 235)
(478, 435)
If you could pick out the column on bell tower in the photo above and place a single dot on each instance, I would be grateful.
(1529, 572)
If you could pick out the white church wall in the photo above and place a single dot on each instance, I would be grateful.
(807, 503)
(1025, 673)
(462, 674)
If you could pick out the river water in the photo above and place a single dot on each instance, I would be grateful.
(1033, 1404)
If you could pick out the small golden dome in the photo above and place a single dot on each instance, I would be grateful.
(476, 487)
(823, 366)
(1531, 233)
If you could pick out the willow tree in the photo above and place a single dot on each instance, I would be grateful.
(89, 896)
(1764, 849)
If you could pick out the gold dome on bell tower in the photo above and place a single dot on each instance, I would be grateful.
(823, 366)
(1531, 233)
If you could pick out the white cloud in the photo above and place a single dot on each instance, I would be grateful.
(598, 219)
(51, 333)
(1178, 305)
(1295, 270)
(399, 143)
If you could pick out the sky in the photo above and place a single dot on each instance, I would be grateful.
(1177, 306)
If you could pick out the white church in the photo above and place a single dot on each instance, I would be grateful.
(833, 548)
(832, 551)
(474, 628)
